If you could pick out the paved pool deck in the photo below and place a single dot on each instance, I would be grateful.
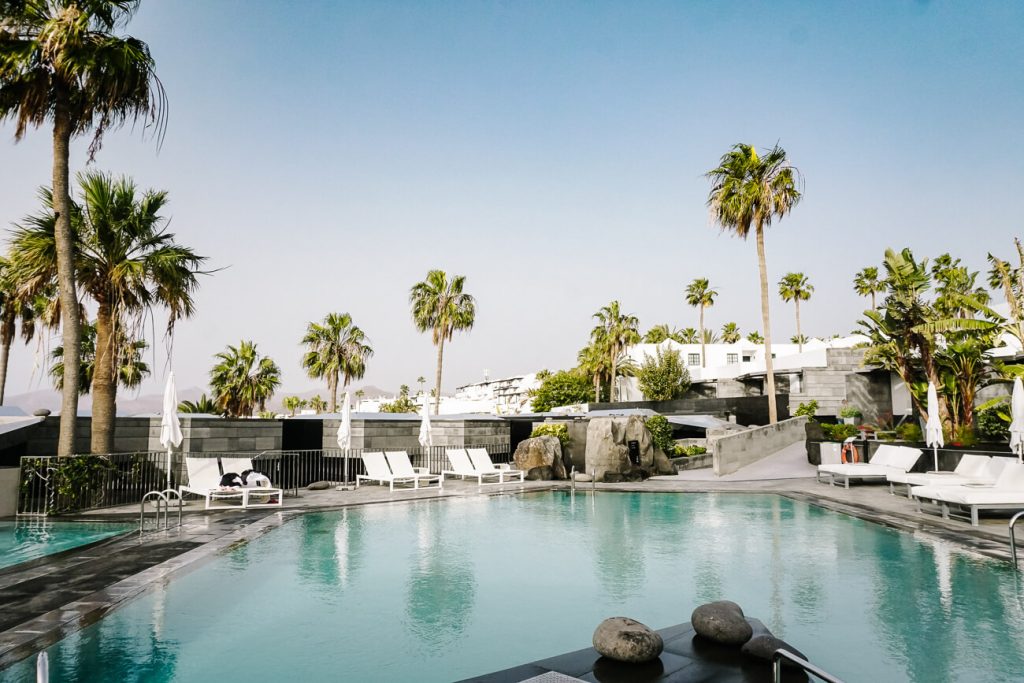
(46, 599)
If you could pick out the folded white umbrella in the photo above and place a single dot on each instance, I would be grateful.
(1017, 420)
(170, 426)
(426, 433)
(345, 428)
(933, 428)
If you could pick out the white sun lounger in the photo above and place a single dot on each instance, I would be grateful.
(1007, 493)
(271, 496)
(481, 460)
(402, 468)
(204, 480)
(377, 469)
(886, 460)
(972, 469)
(463, 466)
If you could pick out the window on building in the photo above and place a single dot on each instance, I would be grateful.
(693, 359)
(732, 358)
(748, 359)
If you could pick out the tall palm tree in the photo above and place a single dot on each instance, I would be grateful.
(318, 404)
(867, 283)
(796, 288)
(131, 369)
(242, 380)
(748, 192)
(441, 306)
(615, 330)
(127, 263)
(592, 360)
(202, 405)
(658, 334)
(293, 403)
(61, 63)
(700, 294)
(755, 337)
(337, 348)
(731, 333)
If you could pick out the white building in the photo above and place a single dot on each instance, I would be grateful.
(507, 396)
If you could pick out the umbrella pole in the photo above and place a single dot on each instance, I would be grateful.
(169, 449)
(935, 452)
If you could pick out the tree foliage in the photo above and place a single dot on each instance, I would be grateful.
(563, 388)
(441, 305)
(664, 376)
(336, 348)
(242, 380)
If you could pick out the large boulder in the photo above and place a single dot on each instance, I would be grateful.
(540, 457)
(764, 645)
(626, 640)
(722, 622)
(607, 455)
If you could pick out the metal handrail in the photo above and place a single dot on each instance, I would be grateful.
(168, 494)
(783, 653)
(1013, 538)
(158, 496)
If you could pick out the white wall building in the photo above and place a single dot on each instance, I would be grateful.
(506, 396)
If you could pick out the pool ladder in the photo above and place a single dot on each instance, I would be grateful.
(161, 499)
(1013, 537)
(807, 667)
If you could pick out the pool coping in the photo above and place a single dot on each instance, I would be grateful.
(30, 637)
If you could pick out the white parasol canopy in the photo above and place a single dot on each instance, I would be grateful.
(1017, 420)
(426, 433)
(933, 428)
(345, 428)
(170, 427)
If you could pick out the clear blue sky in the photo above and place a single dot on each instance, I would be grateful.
(330, 153)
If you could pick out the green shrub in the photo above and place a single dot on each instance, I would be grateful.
(839, 432)
(809, 409)
(661, 433)
(850, 411)
(663, 377)
(402, 404)
(563, 388)
(994, 422)
(964, 436)
(559, 431)
(909, 431)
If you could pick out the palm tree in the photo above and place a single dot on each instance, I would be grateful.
(336, 348)
(125, 260)
(441, 306)
(421, 380)
(131, 369)
(700, 294)
(867, 283)
(318, 404)
(731, 333)
(755, 338)
(15, 308)
(615, 331)
(796, 288)
(61, 63)
(592, 360)
(799, 339)
(687, 335)
(748, 192)
(202, 405)
(293, 403)
(658, 334)
(242, 381)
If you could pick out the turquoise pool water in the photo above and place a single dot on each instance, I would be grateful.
(437, 591)
(26, 540)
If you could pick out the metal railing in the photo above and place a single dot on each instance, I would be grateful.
(782, 653)
(158, 499)
(1013, 536)
(51, 485)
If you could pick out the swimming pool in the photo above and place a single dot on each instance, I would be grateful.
(28, 539)
(441, 590)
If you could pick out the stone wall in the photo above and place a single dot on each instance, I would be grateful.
(735, 451)
(747, 410)
(9, 491)
(844, 380)
(402, 433)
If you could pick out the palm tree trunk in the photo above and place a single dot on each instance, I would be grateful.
(63, 237)
(104, 382)
(615, 367)
(332, 386)
(799, 336)
(5, 353)
(702, 356)
(597, 387)
(769, 366)
(437, 390)
(873, 307)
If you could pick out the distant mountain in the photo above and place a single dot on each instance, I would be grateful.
(153, 403)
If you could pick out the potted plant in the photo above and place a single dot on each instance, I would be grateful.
(850, 414)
